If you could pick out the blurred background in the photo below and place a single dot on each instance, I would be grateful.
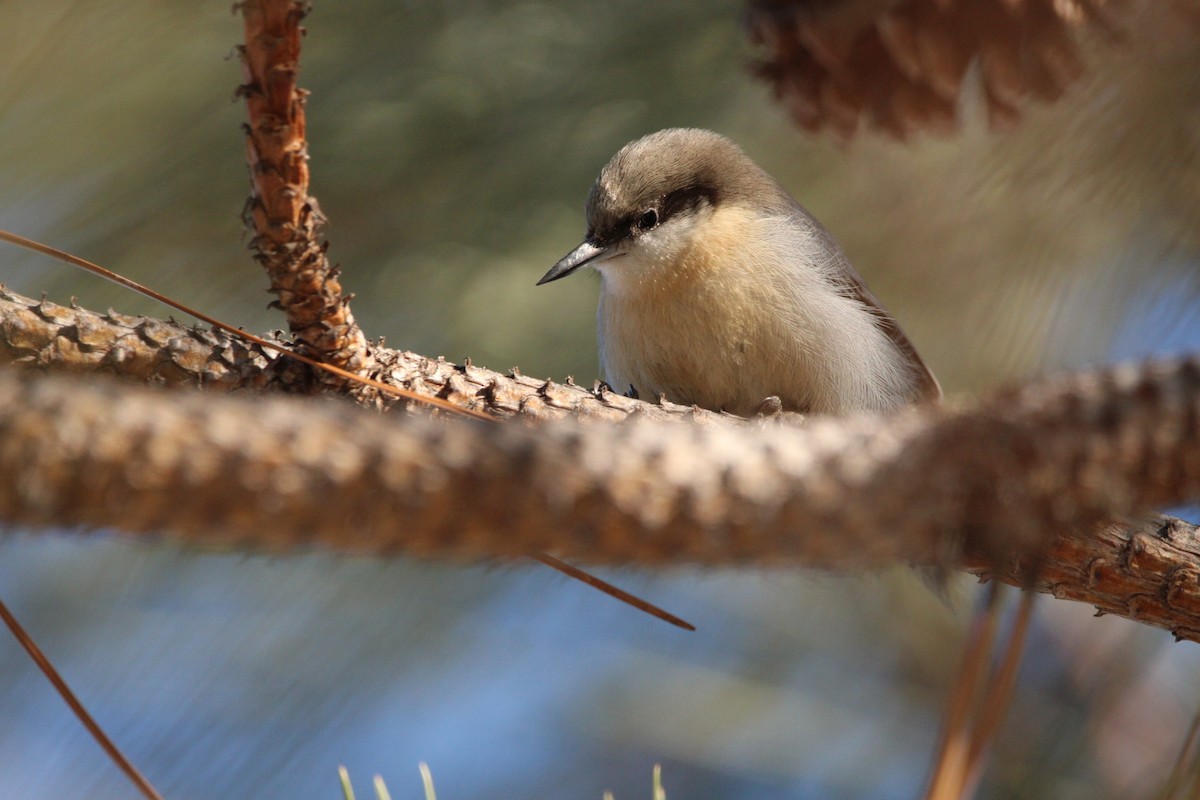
(452, 145)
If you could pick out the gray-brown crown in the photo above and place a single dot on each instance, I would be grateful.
(672, 172)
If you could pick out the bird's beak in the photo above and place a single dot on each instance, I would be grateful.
(586, 253)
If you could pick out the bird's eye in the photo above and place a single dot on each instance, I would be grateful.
(647, 220)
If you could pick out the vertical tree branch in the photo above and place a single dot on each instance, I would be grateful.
(284, 219)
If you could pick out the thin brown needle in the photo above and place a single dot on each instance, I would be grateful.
(1003, 681)
(98, 734)
(613, 591)
(550, 561)
(96, 269)
(953, 753)
(1184, 768)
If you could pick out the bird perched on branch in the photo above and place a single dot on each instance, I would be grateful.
(718, 289)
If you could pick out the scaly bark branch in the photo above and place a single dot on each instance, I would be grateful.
(1005, 476)
(46, 335)
(284, 219)
(1147, 571)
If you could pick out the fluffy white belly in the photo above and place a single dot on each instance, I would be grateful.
(719, 359)
(724, 325)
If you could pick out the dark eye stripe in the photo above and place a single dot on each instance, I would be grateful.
(687, 199)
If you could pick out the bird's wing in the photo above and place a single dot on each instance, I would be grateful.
(928, 388)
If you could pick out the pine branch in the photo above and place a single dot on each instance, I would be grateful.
(1006, 476)
(46, 335)
(284, 219)
(1147, 571)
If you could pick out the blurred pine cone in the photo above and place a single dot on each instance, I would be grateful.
(901, 65)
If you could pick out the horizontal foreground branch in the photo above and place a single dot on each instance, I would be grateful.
(281, 473)
(1023, 469)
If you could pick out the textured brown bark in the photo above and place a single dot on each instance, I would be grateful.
(46, 335)
(899, 65)
(1147, 571)
(284, 220)
(277, 473)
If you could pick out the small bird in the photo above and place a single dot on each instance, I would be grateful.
(717, 289)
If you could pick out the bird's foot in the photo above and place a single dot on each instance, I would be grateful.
(769, 407)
